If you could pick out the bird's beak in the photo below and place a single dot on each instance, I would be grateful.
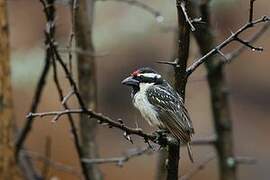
(130, 81)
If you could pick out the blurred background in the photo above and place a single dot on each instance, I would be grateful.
(125, 38)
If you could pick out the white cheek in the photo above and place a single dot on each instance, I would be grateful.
(150, 75)
(143, 105)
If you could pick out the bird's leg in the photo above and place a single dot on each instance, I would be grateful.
(161, 137)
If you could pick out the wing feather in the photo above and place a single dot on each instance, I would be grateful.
(172, 112)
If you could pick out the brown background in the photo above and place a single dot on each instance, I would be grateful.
(126, 38)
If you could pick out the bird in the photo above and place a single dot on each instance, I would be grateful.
(160, 105)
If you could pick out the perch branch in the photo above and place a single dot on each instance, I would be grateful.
(102, 119)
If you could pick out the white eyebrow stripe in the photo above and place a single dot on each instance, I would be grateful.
(150, 75)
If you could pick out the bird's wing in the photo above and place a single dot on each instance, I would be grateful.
(172, 112)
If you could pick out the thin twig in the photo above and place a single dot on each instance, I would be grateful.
(70, 118)
(71, 36)
(234, 36)
(119, 161)
(102, 119)
(183, 7)
(49, 10)
(173, 63)
(66, 98)
(254, 38)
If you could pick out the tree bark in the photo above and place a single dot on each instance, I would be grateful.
(180, 84)
(219, 97)
(84, 16)
(7, 161)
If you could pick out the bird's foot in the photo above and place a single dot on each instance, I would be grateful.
(161, 137)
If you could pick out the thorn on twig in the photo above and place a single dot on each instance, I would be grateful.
(120, 121)
(66, 98)
(225, 58)
(172, 63)
(182, 5)
(246, 43)
(197, 20)
(29, 115)
(266, 18)
(127, 136)
(251, 5)
(55, 118)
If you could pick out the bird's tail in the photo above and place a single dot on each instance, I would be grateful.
(190, 152)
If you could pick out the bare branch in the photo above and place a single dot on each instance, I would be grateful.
(246, 43)
(70, 118)
(119, 161)
(183, 7)
(172, 63)
(71, 36)
(255, 37)
(66, 98)
(234, 36)
(98, 116)
(49, 11)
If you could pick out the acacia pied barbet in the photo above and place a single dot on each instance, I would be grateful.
(160, 105)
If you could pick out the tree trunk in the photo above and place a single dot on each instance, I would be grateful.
(180, 84)
(87, 80)
(219, 97)
(7, 161)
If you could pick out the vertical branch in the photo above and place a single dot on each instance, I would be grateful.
(183, 49)
(84, 16)
(180, 82)
(71, 122)
(36, 99)
(161, 165)
(7, 162)
(219, 97)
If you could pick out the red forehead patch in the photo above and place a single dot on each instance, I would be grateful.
(135, 73)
